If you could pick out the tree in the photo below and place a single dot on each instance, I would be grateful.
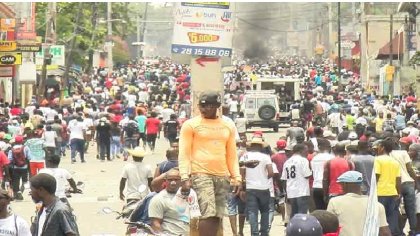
(91, 33)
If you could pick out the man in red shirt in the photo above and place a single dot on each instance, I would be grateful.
(153, 126)
(333, 169)
(280, 157)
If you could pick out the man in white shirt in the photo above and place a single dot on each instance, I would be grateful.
(134, 175)
(257, 173)
(408, 190)
(350, 208)
(317, 165)
(166, 113)
(77, 129)
(295, 175)
(11, 224)
(62, 176)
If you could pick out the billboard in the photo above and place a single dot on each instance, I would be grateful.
(58, 53)
(203, 29)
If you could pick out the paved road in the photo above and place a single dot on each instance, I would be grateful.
(101, 180)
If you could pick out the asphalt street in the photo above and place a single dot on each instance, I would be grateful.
(101, 181)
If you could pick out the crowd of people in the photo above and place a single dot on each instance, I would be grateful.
(344, 145)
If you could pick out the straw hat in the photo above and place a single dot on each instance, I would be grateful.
(137, 152)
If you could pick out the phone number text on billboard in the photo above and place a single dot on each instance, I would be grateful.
(201, 51)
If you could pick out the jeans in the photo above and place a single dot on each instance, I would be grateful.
(258, 200)
(151, 140)
(129, 143)
(409, 197)
(115, 145)
(318, 195)
(299, 205)
(77, 145)
(17, 175)
(104, 149)
(391, 205)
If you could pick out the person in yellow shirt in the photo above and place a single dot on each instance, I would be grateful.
(379, 122)
(254, 79)
(207, 159)
(388, 177)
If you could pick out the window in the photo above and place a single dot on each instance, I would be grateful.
(266, 101)
(250, 103)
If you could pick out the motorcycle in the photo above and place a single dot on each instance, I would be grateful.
(133, 228)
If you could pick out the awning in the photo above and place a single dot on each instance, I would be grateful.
(397, 48)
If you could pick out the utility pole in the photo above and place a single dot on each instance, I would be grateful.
(339, 44)
(50, 37)
(391, 29)
(109, 41)
(391, 26)
(143, 30)
(138, 37)
(331, 45)
(69, 61)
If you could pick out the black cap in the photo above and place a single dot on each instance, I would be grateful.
(210, 98)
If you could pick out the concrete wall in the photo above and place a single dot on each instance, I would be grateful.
(375, 35)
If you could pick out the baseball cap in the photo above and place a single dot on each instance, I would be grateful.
(304, 225)
(281, 144)
(19, 139)
(210, 98)
(350, 177)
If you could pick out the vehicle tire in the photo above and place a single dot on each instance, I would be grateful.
(267, 112)
(276, 128)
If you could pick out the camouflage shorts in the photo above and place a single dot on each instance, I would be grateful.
(211, 193)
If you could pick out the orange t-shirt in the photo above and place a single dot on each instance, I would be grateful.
(207, 146)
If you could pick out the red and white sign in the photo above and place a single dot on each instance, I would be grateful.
(6, 71)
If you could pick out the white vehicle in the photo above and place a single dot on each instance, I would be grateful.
(286, 88)
(261, 109)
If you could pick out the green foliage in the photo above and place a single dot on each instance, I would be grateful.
(415, 60)
(92, 28)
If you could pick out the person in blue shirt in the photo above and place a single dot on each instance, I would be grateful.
(318, 80)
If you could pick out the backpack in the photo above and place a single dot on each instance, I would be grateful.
(19, 159)
(130, 129)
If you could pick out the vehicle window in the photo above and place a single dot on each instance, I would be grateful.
(250, 103)
(266, 101)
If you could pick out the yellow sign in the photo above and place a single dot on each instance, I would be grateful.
(49, 67)
(7, 46)
(11, 58)
(390, 70)
(7, 24)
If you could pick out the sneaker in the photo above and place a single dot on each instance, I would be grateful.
(83, 161)
(73, 161)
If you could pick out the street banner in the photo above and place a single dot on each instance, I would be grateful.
(57, 52)
(203, 29)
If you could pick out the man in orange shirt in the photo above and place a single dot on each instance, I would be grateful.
(207, 159)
